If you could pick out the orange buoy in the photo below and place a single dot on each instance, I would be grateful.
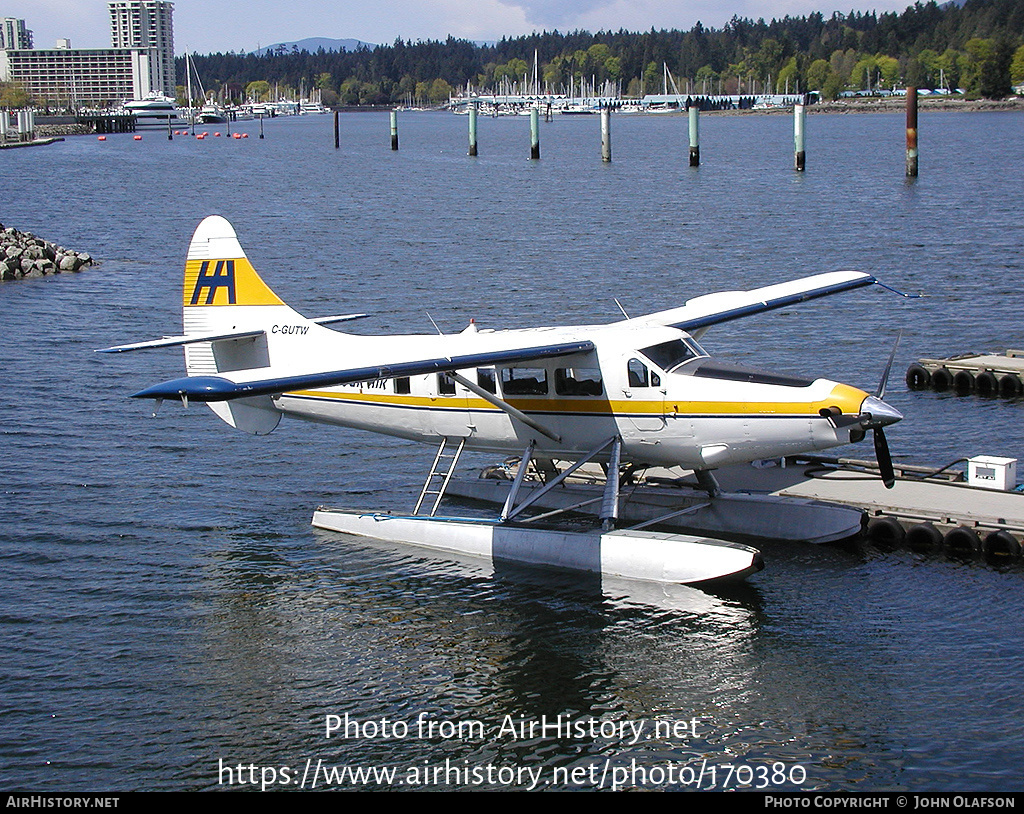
(137, 138)
(101, 138)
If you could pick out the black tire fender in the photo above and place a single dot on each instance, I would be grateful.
(923, 537)
(918, 377)
(961, 541)
(1001, 547)
(886, 531)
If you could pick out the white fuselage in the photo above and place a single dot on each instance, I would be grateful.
(667, 414)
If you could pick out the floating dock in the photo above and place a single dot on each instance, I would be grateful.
(794, 498)
(673, 500)
(986, 374)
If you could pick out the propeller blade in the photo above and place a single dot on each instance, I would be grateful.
(880, 393)
(884, 459)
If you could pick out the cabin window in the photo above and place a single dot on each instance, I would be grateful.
(578, 381)
(639, 376)
(403, 385)
(670, 355)
(487, 379)
(445, 385)
(524, 381)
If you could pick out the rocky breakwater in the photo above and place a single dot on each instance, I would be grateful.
(22, 254)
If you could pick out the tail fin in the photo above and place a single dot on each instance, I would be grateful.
(223, 294)
(217, 272)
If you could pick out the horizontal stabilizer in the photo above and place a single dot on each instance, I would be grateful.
(339, 318)
(173, 341)
(222, 388)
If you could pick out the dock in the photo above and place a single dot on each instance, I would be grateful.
(985, 374)
(802, 498)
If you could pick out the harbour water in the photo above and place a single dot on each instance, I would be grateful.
(169, 618)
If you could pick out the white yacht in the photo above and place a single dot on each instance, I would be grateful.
(154, 111)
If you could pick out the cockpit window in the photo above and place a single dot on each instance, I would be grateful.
(670, 355)
(639, 376)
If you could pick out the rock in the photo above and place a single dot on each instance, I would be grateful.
(22, 254)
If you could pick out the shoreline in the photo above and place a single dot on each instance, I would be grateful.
(896, 104)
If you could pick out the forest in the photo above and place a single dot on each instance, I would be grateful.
(976, 47)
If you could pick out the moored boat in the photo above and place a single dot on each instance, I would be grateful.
(156, 110)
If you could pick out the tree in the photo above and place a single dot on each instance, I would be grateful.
(818, 74)
(13, 95)
(991, 60)
(788, 78)
(257, 90)
(440, 91)
(1017, 65)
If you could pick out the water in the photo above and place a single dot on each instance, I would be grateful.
(167, 611)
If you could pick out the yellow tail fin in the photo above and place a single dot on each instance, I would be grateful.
(217, 272)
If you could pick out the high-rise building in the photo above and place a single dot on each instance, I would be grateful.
(146, 24)
(13, 33)
(139, 62)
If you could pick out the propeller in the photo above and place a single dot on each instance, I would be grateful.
(876, 414)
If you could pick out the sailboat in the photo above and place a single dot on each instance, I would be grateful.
(210, 113)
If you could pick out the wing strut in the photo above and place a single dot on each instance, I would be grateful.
(488, 396)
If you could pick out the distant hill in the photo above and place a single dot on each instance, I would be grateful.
(313, 44)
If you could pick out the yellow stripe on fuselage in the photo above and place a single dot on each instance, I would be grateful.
(846, 398)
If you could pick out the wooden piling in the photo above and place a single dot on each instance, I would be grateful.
(911, 132)
(170, 135)
(472, 127)
(394, 129)
(799, 120)
(606, 133)
(535, 133)
(337, 130)
(694, 113)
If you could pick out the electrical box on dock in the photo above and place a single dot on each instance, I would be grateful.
(991, 472)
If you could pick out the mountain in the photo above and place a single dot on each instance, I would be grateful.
(313, 44)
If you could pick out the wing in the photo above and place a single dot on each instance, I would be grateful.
(248, 383)
(698, 314)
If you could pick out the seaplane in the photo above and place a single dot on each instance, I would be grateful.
(634, 393)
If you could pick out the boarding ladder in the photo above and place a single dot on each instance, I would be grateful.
(440, 473)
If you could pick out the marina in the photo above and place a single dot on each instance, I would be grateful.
(166, 602)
